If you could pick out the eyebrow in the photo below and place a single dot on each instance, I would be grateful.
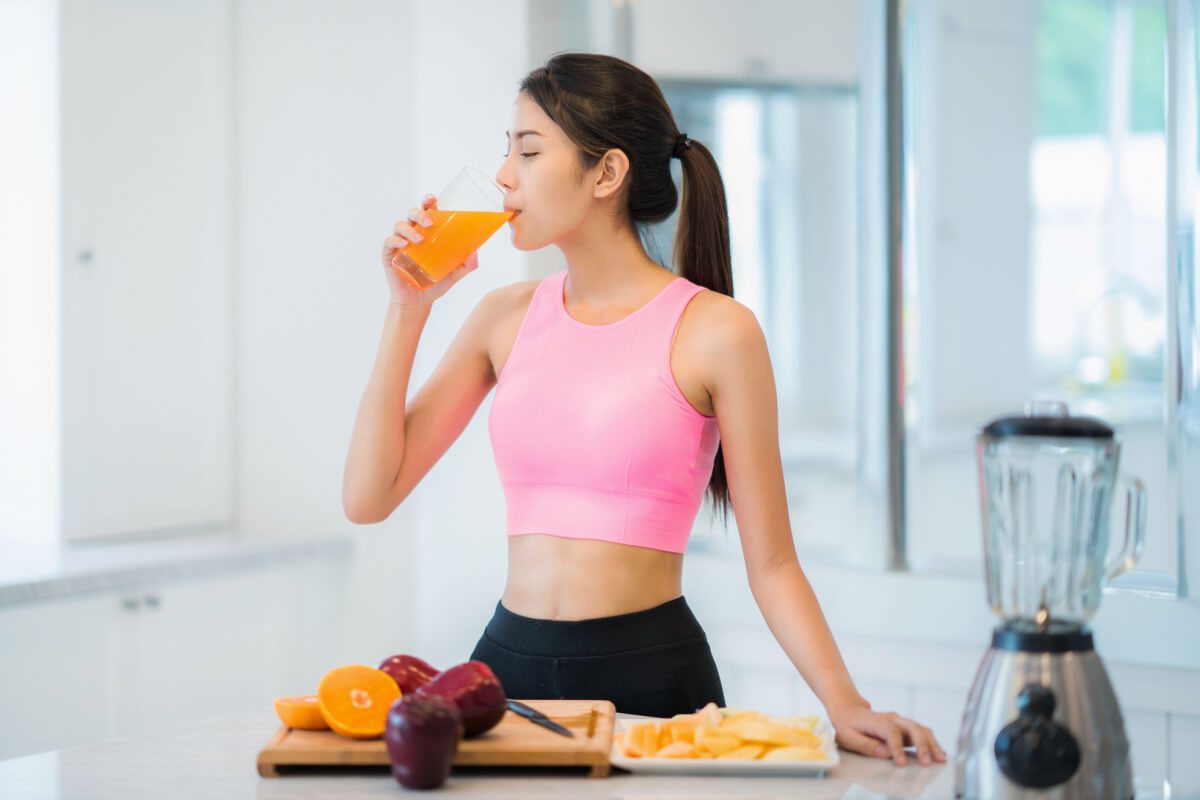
(526, 132)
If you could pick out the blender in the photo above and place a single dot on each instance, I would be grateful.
(1041, 719)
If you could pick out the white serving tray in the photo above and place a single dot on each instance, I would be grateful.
(726, 766)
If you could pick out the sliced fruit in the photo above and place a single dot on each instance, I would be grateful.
(795, 753)
(712, 713)
(706, 726)
(677, 750)
(717, 744)
(302, 713)
(745, 751)
(682, 728)
(714, 732)
(354, 700)
(645, 739)
(760, 730)
(804, 722)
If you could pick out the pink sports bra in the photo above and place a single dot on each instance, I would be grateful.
(591, 435)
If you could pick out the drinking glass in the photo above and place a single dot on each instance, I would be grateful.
(469, 210)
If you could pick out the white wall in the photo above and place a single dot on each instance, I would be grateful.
(346, 116)
(325, 164)
(29, 251)
(465, 108)
(801, 40)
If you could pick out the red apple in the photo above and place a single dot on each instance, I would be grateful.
(476, 691)
(409, 672)
(422, 733)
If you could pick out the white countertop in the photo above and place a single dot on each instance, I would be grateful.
(39, 569)
(216, 759)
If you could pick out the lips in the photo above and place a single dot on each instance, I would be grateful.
(515, 213)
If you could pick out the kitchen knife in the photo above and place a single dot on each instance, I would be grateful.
(533, 715)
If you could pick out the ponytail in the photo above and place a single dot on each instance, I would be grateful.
(702, 228)
(703, 256)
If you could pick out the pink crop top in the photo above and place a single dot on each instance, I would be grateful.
(591, 435)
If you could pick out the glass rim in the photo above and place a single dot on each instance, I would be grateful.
(480, 180)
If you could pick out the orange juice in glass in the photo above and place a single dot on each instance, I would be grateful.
(468, 212)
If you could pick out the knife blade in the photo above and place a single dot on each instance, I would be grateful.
(535, 716)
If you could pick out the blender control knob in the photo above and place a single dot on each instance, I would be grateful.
(1034, 751)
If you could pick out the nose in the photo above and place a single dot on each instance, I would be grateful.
(505, 176)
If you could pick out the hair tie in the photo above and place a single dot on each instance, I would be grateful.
(681, 144)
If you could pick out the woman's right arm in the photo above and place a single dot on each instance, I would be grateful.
(396, 442)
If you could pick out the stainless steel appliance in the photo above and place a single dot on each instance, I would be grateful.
(1041, 720)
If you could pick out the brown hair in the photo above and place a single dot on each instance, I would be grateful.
(604, 103)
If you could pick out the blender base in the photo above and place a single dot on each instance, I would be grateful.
(1051, 697)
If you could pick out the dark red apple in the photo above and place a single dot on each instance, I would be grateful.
(476, 691)
(422, 733)
(409, 672)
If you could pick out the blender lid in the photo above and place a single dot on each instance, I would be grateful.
(1060, 427)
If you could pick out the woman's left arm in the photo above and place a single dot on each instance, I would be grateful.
(741, 383)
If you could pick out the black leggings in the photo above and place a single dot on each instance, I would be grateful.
(655, 662)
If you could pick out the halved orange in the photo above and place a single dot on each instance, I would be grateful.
(354, 700)
(302, 713)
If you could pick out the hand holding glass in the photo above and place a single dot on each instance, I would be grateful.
(468, 212)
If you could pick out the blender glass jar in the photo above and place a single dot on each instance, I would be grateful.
(1046, 486)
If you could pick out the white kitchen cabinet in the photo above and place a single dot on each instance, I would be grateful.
(57, 663)
(146, 290)
(123, 662)
(311, 622)
(204, 647)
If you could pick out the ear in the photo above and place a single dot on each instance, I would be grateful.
(610, 174)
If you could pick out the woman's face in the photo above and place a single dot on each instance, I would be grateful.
(544, 181)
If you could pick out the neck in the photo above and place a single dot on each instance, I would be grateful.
(609, 266)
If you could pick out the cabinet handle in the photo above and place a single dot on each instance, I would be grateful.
(152, 601)
(130, 603)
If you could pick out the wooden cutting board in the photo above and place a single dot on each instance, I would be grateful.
(515, 741)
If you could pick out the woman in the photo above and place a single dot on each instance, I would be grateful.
(622, 391)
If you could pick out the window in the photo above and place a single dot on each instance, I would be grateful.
(789, 161)
(1037, 234)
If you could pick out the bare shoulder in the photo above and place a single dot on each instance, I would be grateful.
(717, 327)
(504, 300)
(500, 312)
(500, 305)
(718, 339)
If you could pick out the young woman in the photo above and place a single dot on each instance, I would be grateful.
(622, 392)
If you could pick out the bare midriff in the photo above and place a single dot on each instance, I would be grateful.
(550, 577)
